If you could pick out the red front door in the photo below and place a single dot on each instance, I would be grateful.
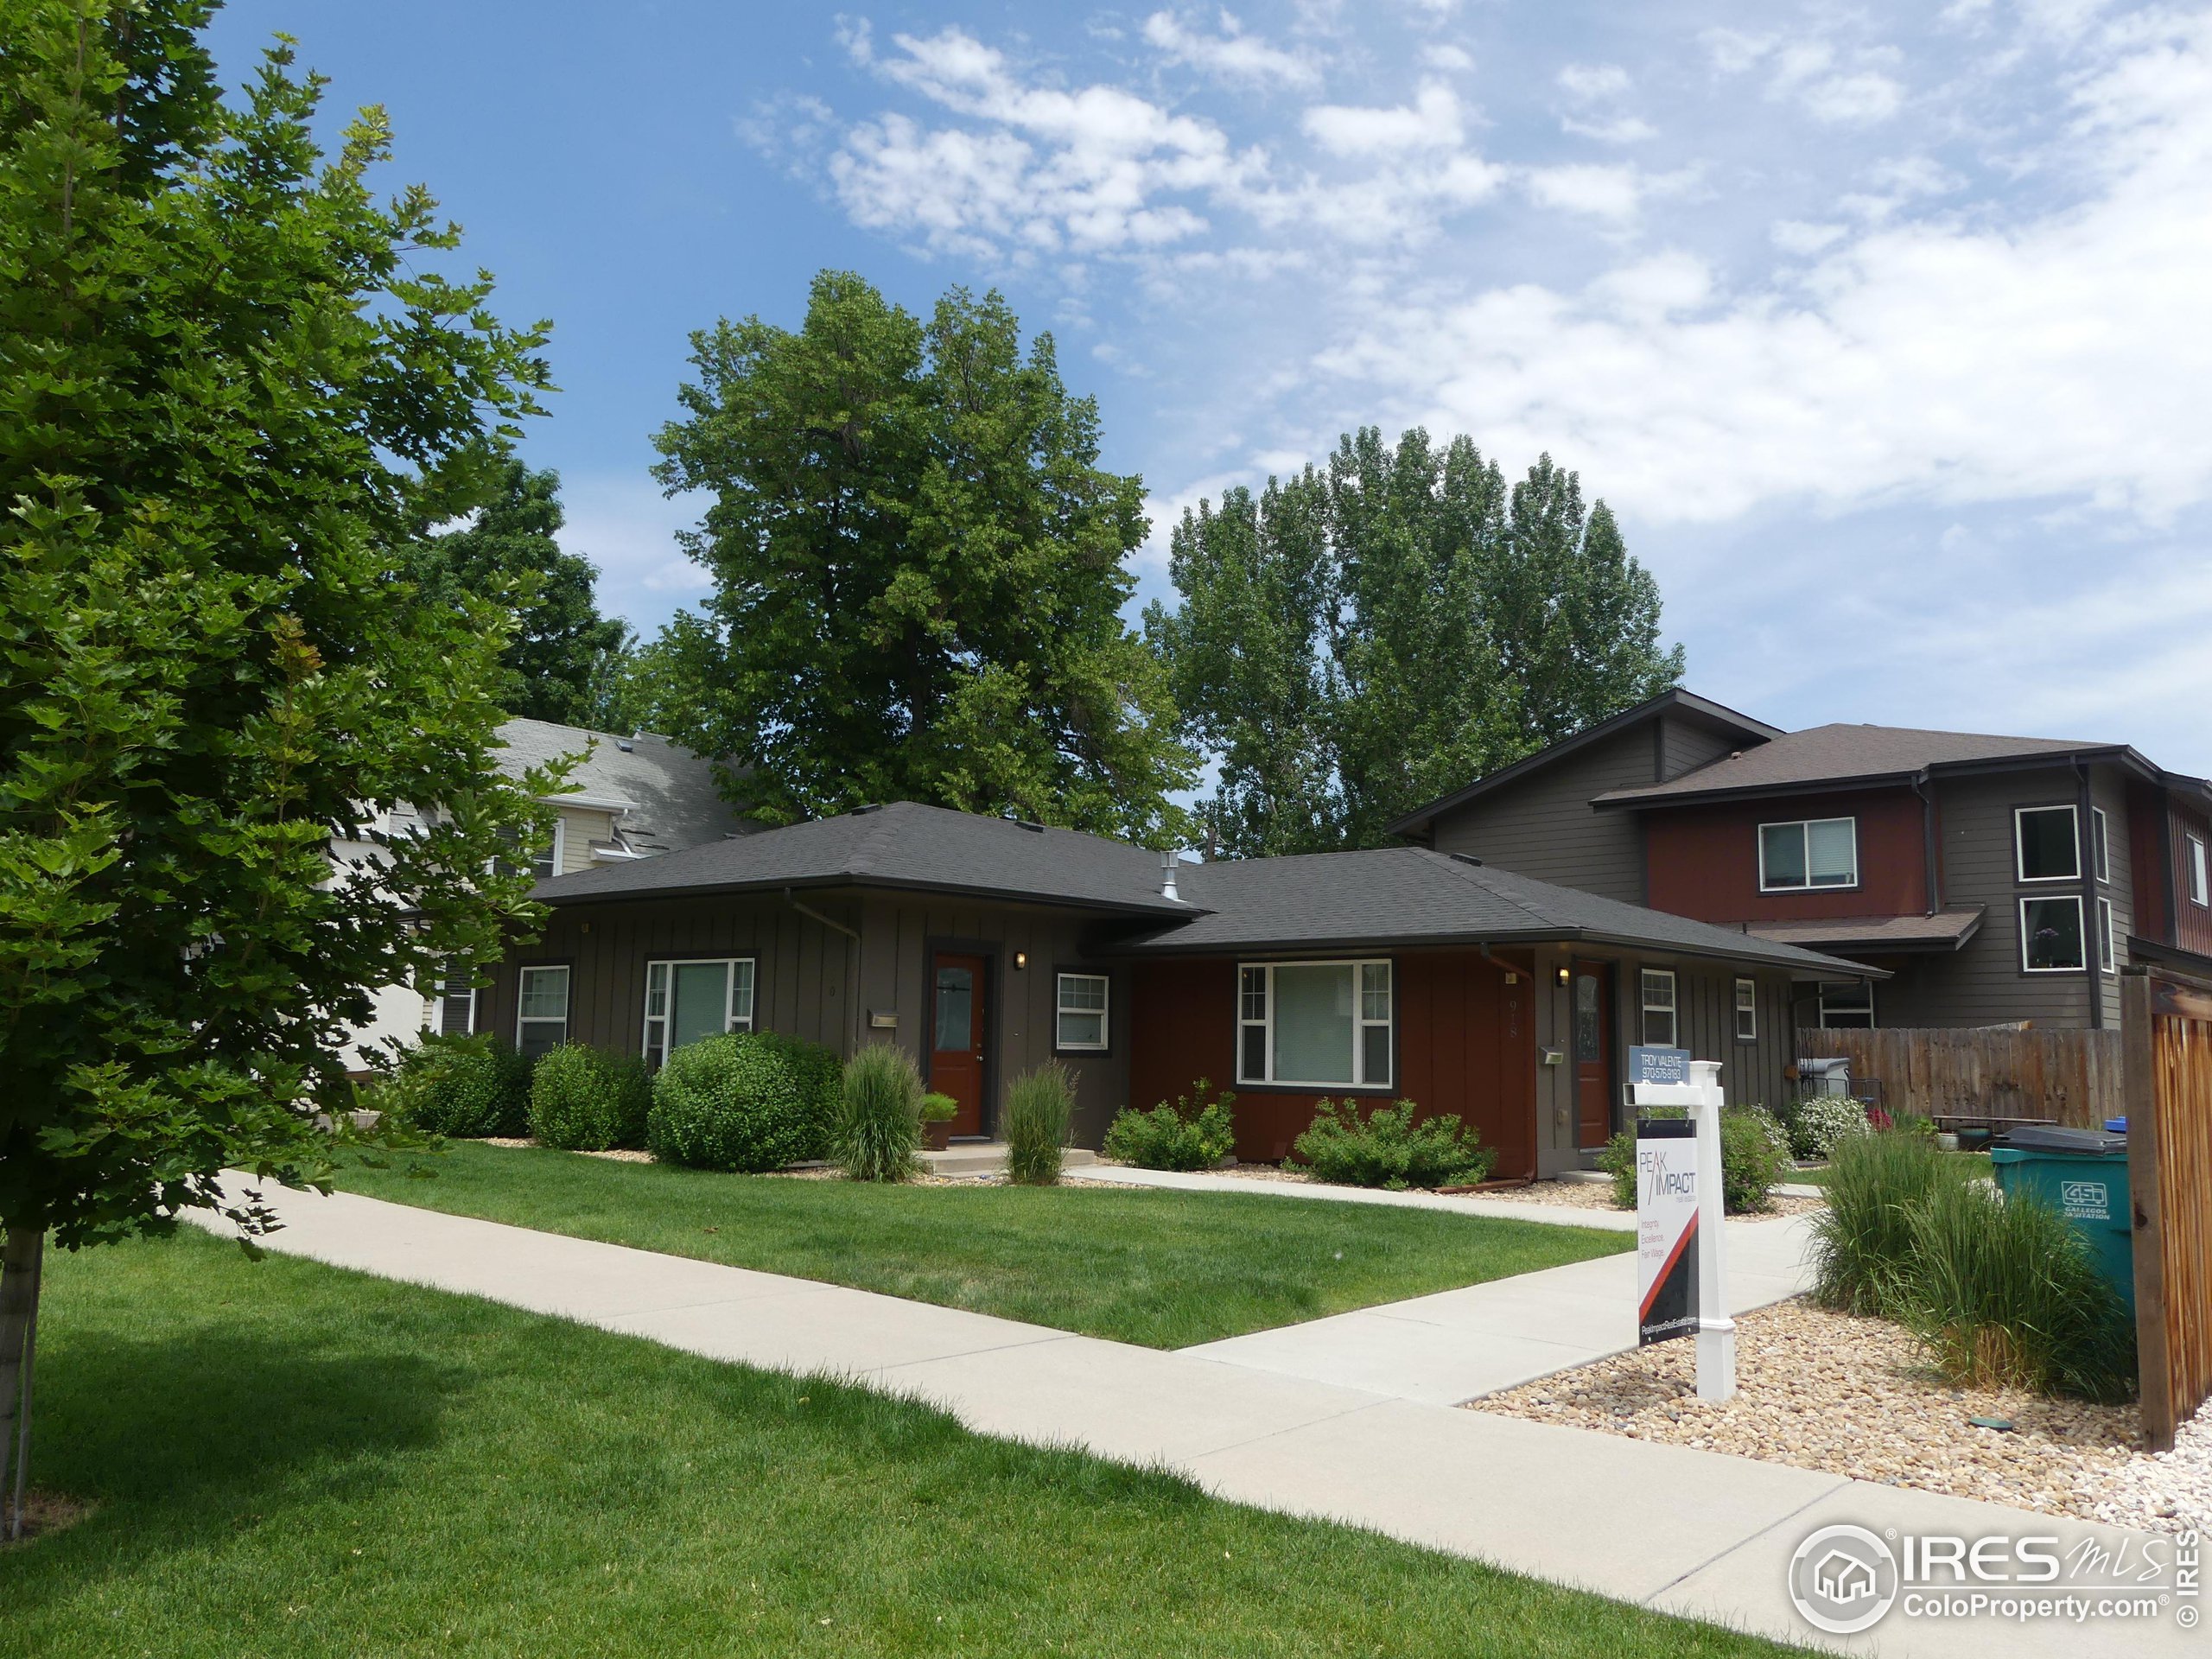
(956, 1033)
(1594, 1053)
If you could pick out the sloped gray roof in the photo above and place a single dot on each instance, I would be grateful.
(1410, 895)
(902, 844)
(671, 793)
(1843, 755)
(1947, 929)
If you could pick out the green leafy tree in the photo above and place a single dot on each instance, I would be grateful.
(229, 387)
(1366, 638)
(918, 570)
(562, 649)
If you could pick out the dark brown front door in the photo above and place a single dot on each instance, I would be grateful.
(956, 1036)
(1594, 1053)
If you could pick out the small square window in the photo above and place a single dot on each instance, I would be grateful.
(2046, 845)
(1082, 1011)
(1747, 1011)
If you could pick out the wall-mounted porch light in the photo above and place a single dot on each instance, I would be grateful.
(1020, 959)
(1566, 976)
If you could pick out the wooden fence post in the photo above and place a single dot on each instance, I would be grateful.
(2140, 1090)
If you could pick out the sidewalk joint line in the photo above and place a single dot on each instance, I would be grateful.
(1752, 1537)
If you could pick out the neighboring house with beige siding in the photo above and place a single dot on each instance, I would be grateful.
(1992, 879)
(628, 797)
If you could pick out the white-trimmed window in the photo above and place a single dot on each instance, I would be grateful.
(1747, 1010)
(2046, 846)
(545, 861)
(2198, 892)
(1810, 852)
(1326, 1025)
(1847, 1004)
(541, 1010)
(456, 1014)
(2050, 935)
(2100, 843)
(1080, 1012)
(2108, 937)
(689, 998)
(1659, 1025)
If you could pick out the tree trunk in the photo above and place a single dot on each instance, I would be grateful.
(22, 1253)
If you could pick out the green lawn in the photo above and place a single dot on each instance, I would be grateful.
(1165, 1270)
(286, 1459)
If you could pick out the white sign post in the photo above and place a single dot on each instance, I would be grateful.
(1699, 1094)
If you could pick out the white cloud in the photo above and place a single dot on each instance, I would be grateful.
(624, 526)
(1594, 80)
(1857, 100)
(1805, 72)
(1796, 236)
(1453, 60)
(1431, 121)
(1607, 193)
(1619, 129)
(1231, 55)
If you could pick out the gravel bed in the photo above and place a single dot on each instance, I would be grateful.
(1558, 1195)
(2165, 1492)
(1855, 1396)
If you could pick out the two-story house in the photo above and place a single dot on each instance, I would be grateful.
(1993, 879)
(630, 798)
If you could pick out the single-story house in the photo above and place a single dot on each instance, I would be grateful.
(984, 946)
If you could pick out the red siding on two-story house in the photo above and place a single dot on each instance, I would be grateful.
(2192, 922)
(1704, 861)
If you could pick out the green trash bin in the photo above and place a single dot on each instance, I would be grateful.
(2082, 1175)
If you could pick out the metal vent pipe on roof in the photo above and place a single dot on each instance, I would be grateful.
(1167, 875)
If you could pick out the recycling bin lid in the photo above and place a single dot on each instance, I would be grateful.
(2079, 1143)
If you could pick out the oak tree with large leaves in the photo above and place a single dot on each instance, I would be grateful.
(232, 386)
(918, 573)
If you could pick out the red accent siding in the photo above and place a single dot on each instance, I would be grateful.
(2146, 812)
(1466, 1044)
(2192, 922)
(1703, 862)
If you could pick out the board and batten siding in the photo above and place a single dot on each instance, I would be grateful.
(812, 981)
(1541, 825)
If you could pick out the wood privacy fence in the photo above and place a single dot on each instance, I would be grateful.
(2166, 1023)
(2072, 1077)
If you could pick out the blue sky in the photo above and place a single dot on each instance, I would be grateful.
(1887, 330)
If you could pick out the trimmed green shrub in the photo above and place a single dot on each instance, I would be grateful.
(879, 1115)
(1818, 1122)
(1862, 1241)
(1389, 1148)
(1039, 1105)
(2004, 1291)
(1191, 1132)
(1754, 1156)
(939, 1109)
(749, 1101)
(466, 1086)
(586, 1099)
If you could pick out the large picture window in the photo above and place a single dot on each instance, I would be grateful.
(2050, 935)
(1081, 1012)
(1659, 1025)
(686, 1000)
(2047, 847)
(1323, 1024)
(541, 1011)
(1812, 853)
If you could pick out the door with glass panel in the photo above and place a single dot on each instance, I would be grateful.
(1594, 1053)
(686, 1000)
(957, 984)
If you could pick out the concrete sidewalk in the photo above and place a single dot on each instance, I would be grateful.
(1681, 1531)
(1452, 1346)
(1606, 1221)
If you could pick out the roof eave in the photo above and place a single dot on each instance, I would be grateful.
(1632, 800)
(842, 878)
(1168, 945)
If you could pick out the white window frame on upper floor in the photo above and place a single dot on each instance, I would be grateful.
(2020, 851)
(2198, 881)
(1804, 829)
(553, 857)
(2108, 935)
(2100, 843)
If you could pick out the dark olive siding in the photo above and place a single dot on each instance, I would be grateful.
(812, 981)
(1684, 746)
(1541, 825)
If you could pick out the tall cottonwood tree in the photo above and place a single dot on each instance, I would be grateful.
(1367, 636)
(229, 389)
(919, 573)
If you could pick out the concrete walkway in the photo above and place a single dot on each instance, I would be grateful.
(1680, 1531)
(1452, 1346)
(1610, 1221)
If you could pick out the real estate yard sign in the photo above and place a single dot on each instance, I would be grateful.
(1666, 1229)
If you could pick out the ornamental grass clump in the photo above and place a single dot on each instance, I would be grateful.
(2004, 1292)
(1039, 1106)
(1862, 1241)
(586, 1099)
(1191, 1132)
(1391, 1148)
(879, 1116)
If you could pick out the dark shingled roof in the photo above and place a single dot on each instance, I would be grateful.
(1412, 896)
(1844, 755)
(672, 799)
(903, 844)
(1947, 929)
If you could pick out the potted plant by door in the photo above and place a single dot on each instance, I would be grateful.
(937, 1113)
